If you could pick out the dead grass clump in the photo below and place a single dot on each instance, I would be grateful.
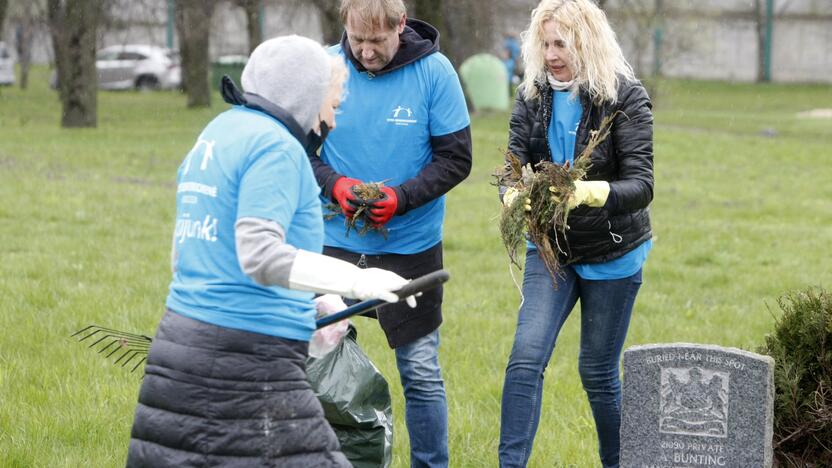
(365, 195)
(542, 204)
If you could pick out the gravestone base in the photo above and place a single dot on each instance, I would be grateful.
(690, 405)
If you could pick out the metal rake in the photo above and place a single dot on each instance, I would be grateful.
(124, 346)
(128, 346)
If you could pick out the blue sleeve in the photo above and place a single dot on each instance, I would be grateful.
(448, 111)
(270, 188)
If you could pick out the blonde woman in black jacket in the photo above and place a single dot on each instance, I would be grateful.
(575, 76)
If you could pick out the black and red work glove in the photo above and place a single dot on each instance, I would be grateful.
(343, 195)
(382, 210)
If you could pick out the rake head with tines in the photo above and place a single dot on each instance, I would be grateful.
(125, 347)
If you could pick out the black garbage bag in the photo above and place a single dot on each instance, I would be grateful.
(356, 402)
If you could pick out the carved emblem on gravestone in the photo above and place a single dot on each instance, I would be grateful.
(694, 401)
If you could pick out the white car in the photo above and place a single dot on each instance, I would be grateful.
(138, 67)
(135, 66)
(6, 65)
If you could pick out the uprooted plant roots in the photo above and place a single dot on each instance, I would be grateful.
(365, 195)
(542, 202)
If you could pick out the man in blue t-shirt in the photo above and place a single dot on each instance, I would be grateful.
(405, 123)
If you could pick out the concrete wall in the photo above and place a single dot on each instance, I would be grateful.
(707, 39)
(719, 39)
(716, 39)
(229, 34)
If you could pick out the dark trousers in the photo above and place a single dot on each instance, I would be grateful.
(415, 336)
(401, 324)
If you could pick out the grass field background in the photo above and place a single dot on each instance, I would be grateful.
(86, 218)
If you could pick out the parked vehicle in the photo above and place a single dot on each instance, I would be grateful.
(6, 65)
(136, 66)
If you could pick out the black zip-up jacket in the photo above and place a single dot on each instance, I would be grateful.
(451, 162)
(624, 159)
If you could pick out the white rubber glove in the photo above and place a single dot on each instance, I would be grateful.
(321, 274)
(510, 196)
(592, 193)
(325, 339)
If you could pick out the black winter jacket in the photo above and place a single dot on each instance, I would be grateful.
(215, 396)
(624, 159)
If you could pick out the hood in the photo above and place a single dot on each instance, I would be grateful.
(419, 39)
(232, 95)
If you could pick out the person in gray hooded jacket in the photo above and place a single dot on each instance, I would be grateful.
(225, 381)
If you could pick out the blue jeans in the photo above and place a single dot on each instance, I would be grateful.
(426, 409)
(606, 307)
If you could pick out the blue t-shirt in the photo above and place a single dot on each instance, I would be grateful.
(244, 164)
(383, 135)
(563, 129)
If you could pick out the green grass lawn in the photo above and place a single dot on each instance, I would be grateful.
(86, 218)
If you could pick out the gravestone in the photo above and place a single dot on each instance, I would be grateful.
(486, 82)
(689, 405)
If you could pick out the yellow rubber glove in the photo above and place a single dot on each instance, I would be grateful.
(592, 193)
(509, 196)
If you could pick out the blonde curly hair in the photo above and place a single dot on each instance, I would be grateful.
(596, 60)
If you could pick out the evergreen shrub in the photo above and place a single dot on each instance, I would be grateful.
(801, 346)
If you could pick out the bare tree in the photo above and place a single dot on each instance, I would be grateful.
(4, 7)
(643, 25)
(640, 18)
(27, 17)
(330, 20)
(759, 15)
(468, 28)
(430, 11)
(193, 24)
(253, 9)
(73, 25)
(434, 12)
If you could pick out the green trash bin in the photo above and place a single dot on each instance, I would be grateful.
(486, 82)
(231, 65)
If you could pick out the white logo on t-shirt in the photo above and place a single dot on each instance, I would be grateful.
(575, 132)
(397, 114)
(205, 229)
(207, 154)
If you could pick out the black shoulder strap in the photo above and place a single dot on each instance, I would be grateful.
(232, 95)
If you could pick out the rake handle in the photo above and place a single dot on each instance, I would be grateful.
(420, 284)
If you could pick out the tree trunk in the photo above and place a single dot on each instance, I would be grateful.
(253, 9)
(469, 29)
(330, 20)
(193, 24)
(434, 12)
(23, 44)
(255, 30)
(4, 7)
(73, 25)
(431, 12)
(759, 14)
(658, 38)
